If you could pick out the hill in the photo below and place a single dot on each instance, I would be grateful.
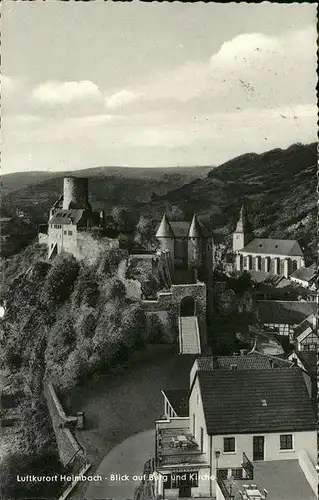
(34, 192)
(278, 188)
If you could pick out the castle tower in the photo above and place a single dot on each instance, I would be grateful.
(165, 236)
(195, 244)
(243, 233)
(76, 193)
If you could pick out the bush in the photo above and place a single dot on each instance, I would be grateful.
(60, 280)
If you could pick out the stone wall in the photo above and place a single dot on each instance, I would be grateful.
(68, 446)
(171, 301)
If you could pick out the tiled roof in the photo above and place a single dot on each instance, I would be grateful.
(285, 311)
(304, 325)
(178, 399)
(66, 216)
(304, 273)
(276, 247)
(245, 362)
(250, 361)
(249, 401)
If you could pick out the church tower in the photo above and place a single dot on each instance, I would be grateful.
(243, 233)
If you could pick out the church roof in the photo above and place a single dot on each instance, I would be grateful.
(164, 229)
(268, 246)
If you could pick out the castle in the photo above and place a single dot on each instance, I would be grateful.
(70, 216)
(279, 257)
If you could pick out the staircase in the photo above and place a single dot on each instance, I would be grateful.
(189, 341)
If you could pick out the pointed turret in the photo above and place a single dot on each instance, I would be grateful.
(164, 229)
(195, 229)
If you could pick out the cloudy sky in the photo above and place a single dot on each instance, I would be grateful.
(102, 83)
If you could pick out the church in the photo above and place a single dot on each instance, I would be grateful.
(279, 257)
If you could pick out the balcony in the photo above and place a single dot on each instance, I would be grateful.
(176, 446)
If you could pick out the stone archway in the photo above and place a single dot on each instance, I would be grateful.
(187, 306)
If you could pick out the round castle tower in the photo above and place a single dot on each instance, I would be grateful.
(76, 193)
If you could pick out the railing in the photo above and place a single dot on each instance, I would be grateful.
(248, 466)
(190, 459)
(227, 493)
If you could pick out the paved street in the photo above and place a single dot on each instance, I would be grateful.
(126, 458)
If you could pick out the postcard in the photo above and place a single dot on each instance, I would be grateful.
(158, 300)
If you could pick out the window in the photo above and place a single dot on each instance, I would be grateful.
(69, 233)
(286, 442)
(201, 439)
(197, 399)
(229, 445)
(194, 424)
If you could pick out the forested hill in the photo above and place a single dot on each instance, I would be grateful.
(278, 188)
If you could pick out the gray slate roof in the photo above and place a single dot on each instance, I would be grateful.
(285, 311)
(304, 273)
(277, 247)
(233, 401)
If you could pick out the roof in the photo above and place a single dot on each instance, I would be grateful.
(249, 401)
(178, 399)
(182, 229)
(164, 230)
(66, 216)
(304, 325)
(251, 361)
(266, 278)
(195, 230)
(245, 362)
(304, 273)
(277, 247)
(285, 311)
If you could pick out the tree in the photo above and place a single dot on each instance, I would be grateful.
(145, 234)
(123, 220)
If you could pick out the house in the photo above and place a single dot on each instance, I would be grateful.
(280, 257)
(282, 315)
(305, 335)
(238, 421)
(305, 276)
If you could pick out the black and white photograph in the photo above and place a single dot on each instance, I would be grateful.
(158, 257)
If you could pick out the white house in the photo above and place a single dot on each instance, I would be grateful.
(305, 276)
(236, 420)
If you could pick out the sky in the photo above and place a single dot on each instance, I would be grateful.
(87, 84)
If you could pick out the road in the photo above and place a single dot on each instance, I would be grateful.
(126, 460)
